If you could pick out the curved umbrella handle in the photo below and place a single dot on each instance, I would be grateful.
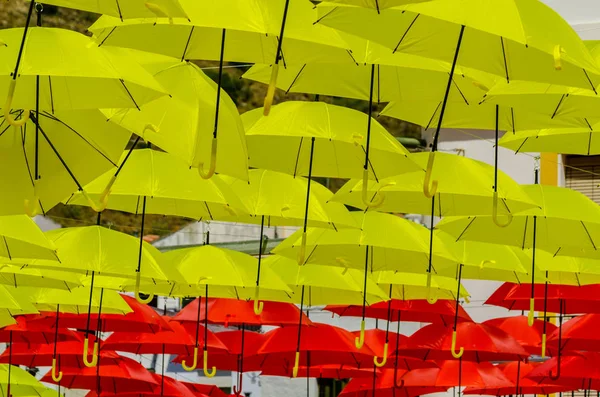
(359, 341)
(213, 162)
(271, 90)
(399, 385)
(485, 262)
(55, 377)
(137, 291)
(557, 57)
(430, 191)
(381, 363)
(430, 300)
(32, 206)
(453, 347)
(158, 11)
(379, 197)
(296, 365)
(530, 319)
(8, 105)
(213, 372)
(553, 376)
(194, 362)
(237, 391)
(495, 213)
(544, 345)
(258, 305)
(302, 252)
(94, 361)
(97, 207)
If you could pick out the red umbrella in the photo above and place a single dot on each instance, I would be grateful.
(577, 334)
(172, 388)
(320, 371)
(28, 331)
(42, 355)
(578, 371)
(386, 384)
(441, 312)
(143, 318)
(321, 344)
(478, 342)
(517, 372)
(583, 299)
(530, 337)
(122, 376)
(240, 312)
(458, 373)
(206, 390)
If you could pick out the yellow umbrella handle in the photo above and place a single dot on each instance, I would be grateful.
(543, 345)
(271, 90)
(194, 362)
(96, 207)
(379, 197)
(8, 105)
(302, 252)
(379, 364)
(359, 341)
(94, 361)
(296, 365)
(213, 162)
(137, 291)
(485, 262)
(56, 377)
(530, 319)
(258, 305)
(495, 213)
(430, 191)
(557, 57)
(453, 347)
(32, 206)
(431, 300)
(214, 369)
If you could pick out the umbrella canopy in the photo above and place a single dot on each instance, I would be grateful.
(207, 390)
(22, 276)
(251, 35)
(411, 286)
(478, 342)
(577, 371)
(319, 372)
(27, 331)
(387, 383)
(529, 337)
(282, 142)
(23, 239)
(18, 382)
(517, 372)
(176, 340)
(170, 388)
(458, 373)
(421, 311)
(67, 354)
(179, 124)
(346, 248)
(77, 301)
(127, 9)
(577, 334)
(581, 140)
(240, 312)
(522, 47)
(155, 182)
(464, 188)
(121, 376)
(318, 285)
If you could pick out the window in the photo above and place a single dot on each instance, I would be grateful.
(582, 173)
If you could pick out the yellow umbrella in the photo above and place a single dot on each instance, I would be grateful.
(183, 123)
(15, 381)
(466, 32)
(77, 300)
(377, 4)
(410, 286)
(581, 140)
(233, 30)
(275, 199)
(127, 9)
(23, 239)
(23, 276)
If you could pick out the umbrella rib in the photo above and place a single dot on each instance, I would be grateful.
(522, 143)
(562, 98)
(7, 249)
(129, 93)
(459, 91)
(405, 33)
(512, 115)
(80, 136)
(589, 81)
(370, 165)
(324, 16)
(466, 228)
(51, 93)
(588, 234)
(504, 57)
(525, 233)
(295, 78)
(432, 116)
(187, 43)
(298, 156)
(107, 36)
